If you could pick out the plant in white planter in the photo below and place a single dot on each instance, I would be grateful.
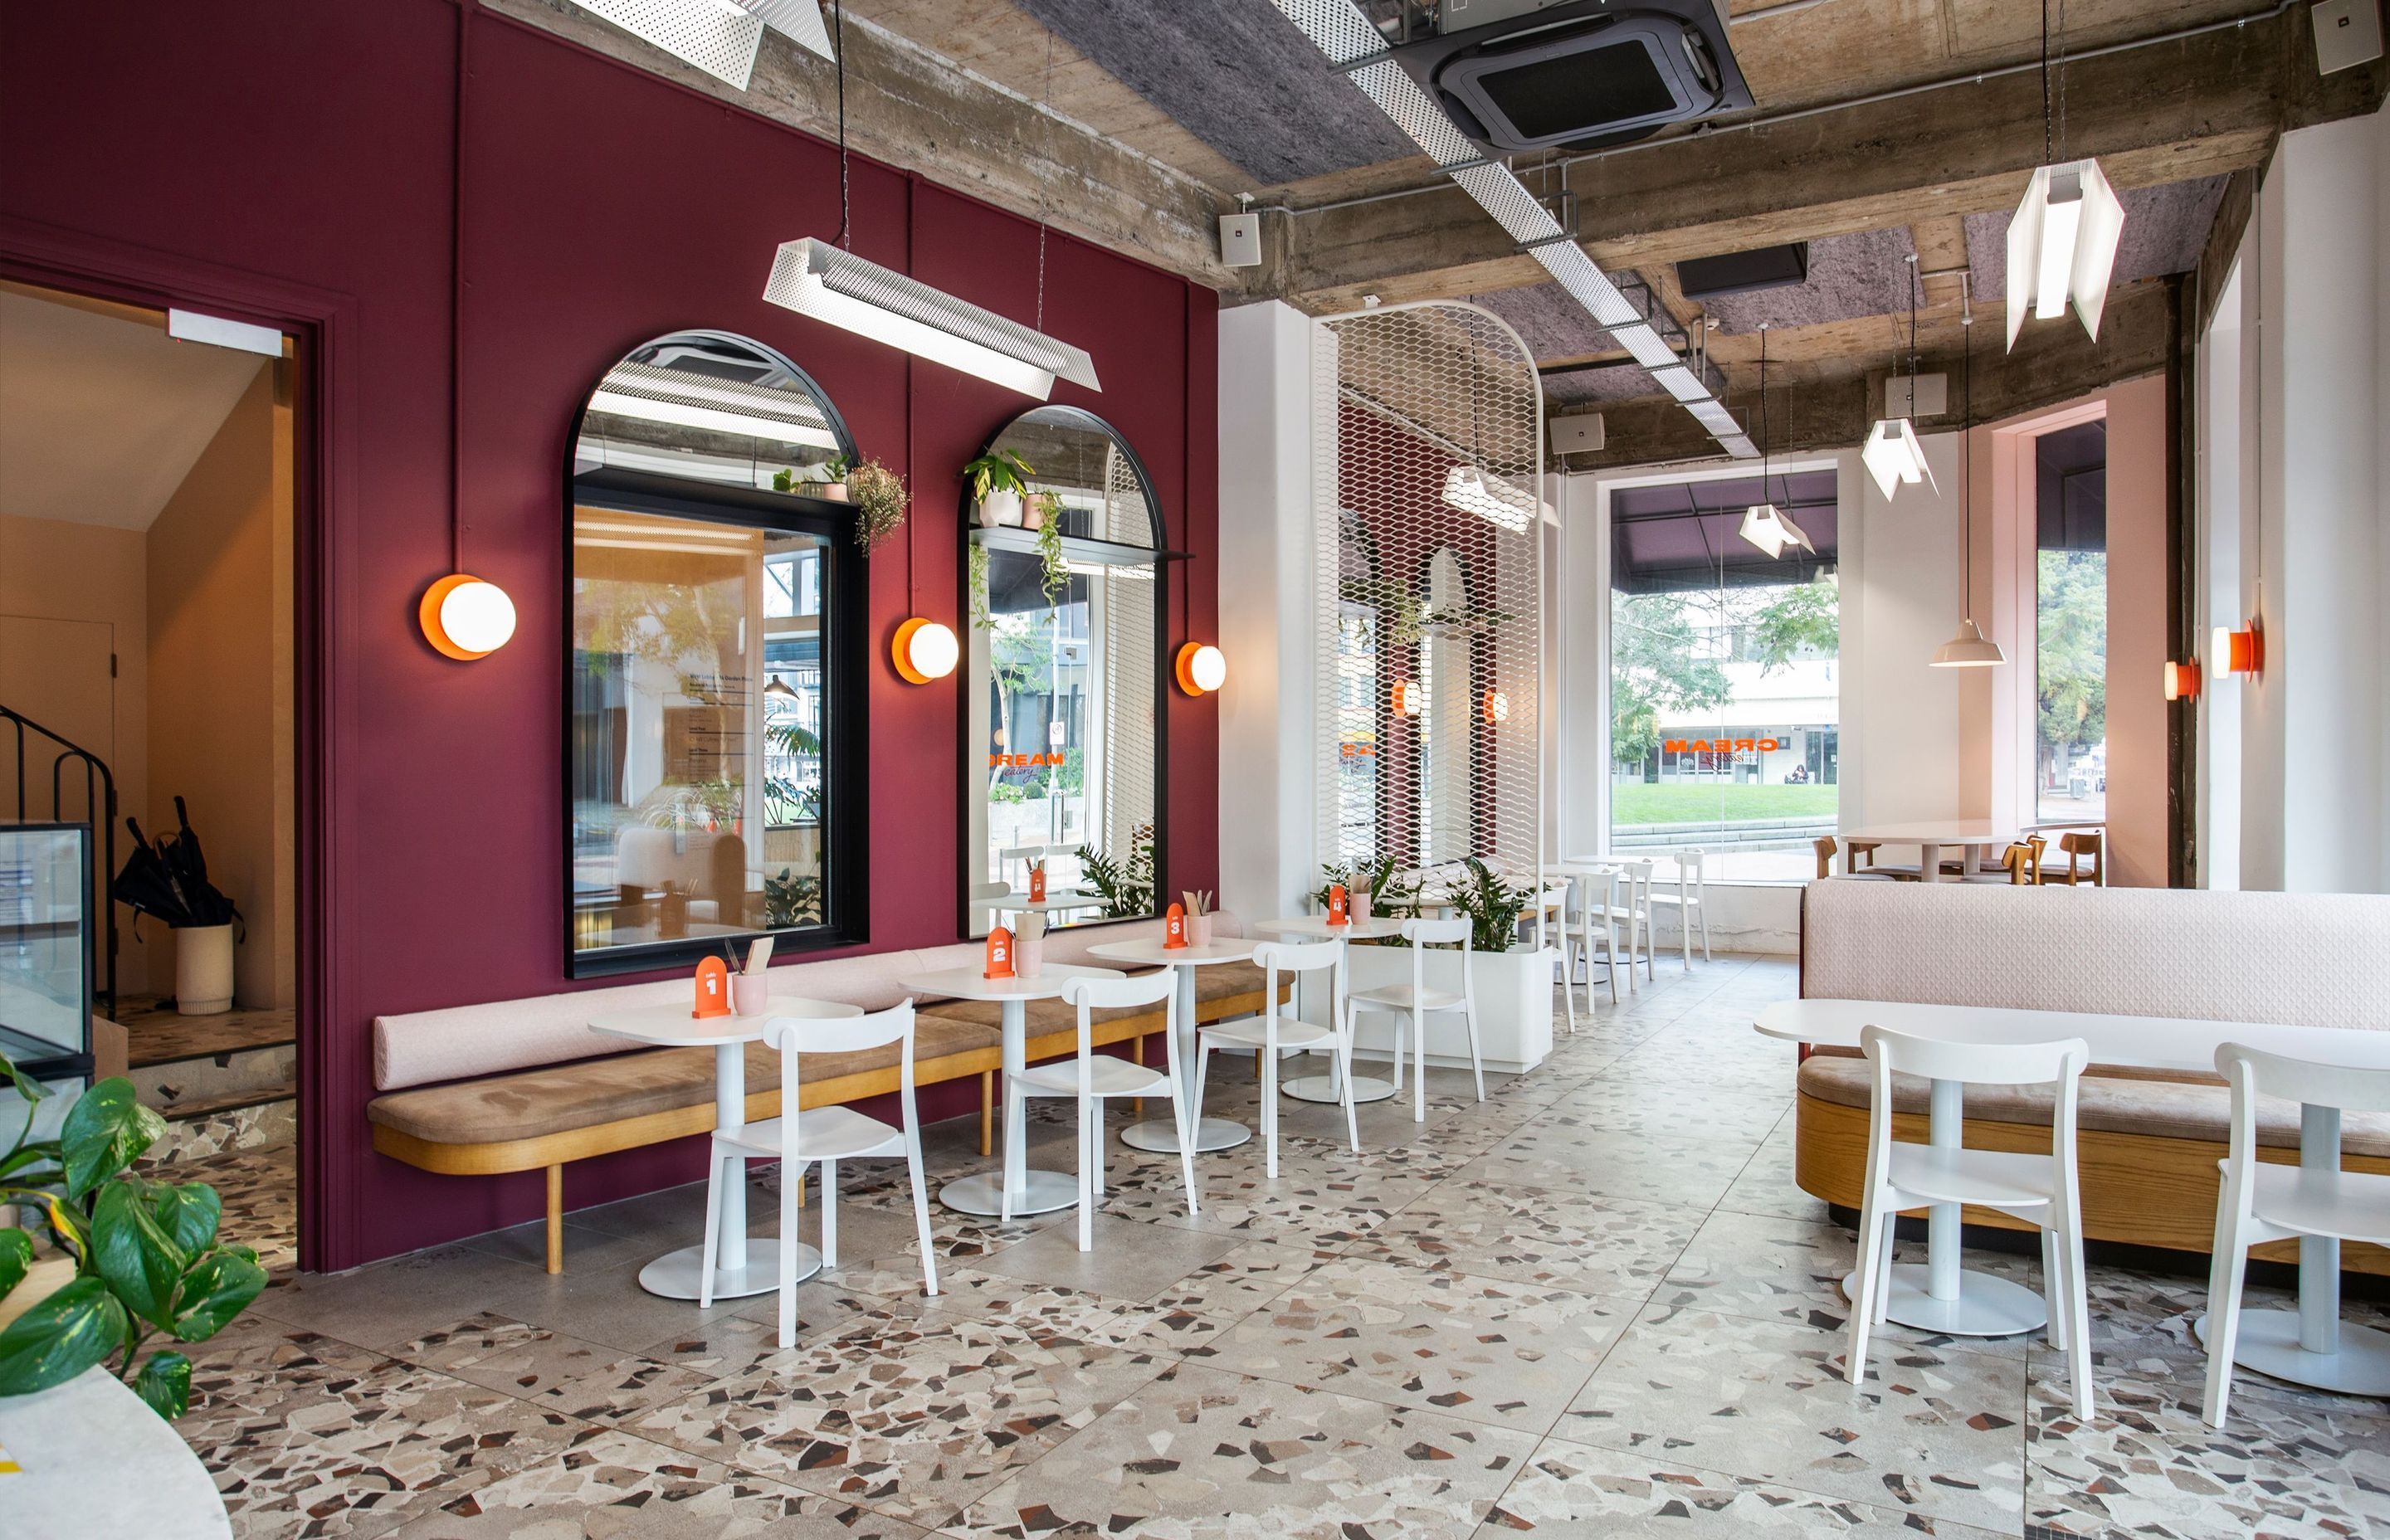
(998, 481)
(1512, 986)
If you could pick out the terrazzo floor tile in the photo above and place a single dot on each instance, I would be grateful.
(1930, 1433)
(1125, 1260)
(2145, 1465)
(1766, 1186)
(1573, 1492)
(392, 1301)
(1595, 1245)
(1198, 1452)
(1321, 1195)
(259, 1189)
(1056, 1317)
(1481, 1349)
(1685, 1172)
(1245, 1280)
(605, 1485)
(912, 1419)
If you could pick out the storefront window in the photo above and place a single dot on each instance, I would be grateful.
(1724, 697)
(2070, 650)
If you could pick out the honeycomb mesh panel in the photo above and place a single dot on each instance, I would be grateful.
(720, 41)
(1429, 596)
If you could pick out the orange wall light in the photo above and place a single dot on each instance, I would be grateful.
(465, 617)
(1406, 699)
(1495, 708)
(1202, 668)
(2242, 652)
(924, 651)
(2182, 681)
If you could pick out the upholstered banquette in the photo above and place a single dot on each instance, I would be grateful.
(2150, 1139)
(527, 1086)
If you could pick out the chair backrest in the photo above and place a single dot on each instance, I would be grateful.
(2060, 1063)
(1290, 957)
(1551, 911)
(2302, 1080)
(1824, 845)
(1689, 870)
(2016, 858)
(1161, 986)
(1438, 932)
(795, 1036)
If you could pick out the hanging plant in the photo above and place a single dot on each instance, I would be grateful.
(1049, 548)
(982, 618)
(879, 502)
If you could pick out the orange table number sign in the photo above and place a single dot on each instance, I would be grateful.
(1038, 883)
(1174, 927)
(712, 988)
(999, 954)
(1337, 912)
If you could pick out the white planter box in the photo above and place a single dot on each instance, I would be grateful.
(1514, 1005)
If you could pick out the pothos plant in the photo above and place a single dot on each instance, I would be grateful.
(1049, 548)
(148, 1256)
(983, 618)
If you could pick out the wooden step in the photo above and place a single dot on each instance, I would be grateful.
(155, 1034)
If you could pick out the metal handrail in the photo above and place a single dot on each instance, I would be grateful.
(99, 807)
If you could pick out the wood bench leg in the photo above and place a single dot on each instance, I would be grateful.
(556, 1218)
(986, 1113)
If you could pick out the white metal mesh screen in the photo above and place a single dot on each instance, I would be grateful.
(716, 39)
(1428, 422)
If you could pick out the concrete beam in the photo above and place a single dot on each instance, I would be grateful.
(2199, 107)
(909, 107)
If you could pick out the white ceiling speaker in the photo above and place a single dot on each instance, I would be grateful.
(1575, 433)
(720, 37)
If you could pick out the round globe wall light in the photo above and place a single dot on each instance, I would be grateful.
(1406, 699)
(2242, 652)
(1497, 707)
(1202, 668)
(925, 651)
(465, 617)
(2182, 680)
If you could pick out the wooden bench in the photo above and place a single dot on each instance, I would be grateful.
(545, 1116)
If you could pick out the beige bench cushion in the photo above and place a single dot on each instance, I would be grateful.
(533, 1103)
(2114, 1101)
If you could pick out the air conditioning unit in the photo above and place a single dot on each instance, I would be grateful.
(1571, 74)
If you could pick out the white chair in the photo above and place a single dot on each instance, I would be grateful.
(1415, 1002)
(1552, 932)
(1686, 903)
(1635, 915)
(1270, 1034)
(1024, 856)
(1601, 903)
(984, 896)
(2262, 1202)
(2040, 1189)
(825, 1135)
(1091, 1079)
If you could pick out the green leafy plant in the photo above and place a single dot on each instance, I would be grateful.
(879, 502)
(982, 618)
(148, 1257)
(1126, 886)
(1493, 908)
(1389, 896)
(1006, 792)
(997, 471)
(1049, 550)
(820, 474)
(790, 900)
(1401, 612)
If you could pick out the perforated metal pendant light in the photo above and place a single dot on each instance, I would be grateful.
(720, 37)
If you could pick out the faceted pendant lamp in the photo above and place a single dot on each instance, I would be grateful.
(1764, 524)
(720, 37)
(1489, 497)
(1893, 457)
(2063, 246)
(816, 278)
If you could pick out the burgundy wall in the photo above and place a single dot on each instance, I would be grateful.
(284, 149)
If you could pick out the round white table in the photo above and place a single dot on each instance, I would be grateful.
(99, 1465)
(1977, 837)
(2306, 1346)
(1324, 1088)
(738, 1271)
(1033, 1191)
(1158, 1135)
(1017, 904)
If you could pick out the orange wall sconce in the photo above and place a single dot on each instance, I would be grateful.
(1406, 699)
(465, 617)
(1495, 708)
(1202, 668)
(2182, 681)
(924, 651)
(2242, 652)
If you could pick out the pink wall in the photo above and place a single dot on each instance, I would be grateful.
(291, 161)
(2137, 475)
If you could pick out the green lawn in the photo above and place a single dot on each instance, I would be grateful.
(1639, 803)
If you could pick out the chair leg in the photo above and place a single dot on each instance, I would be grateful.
(2078, 1316)
(2224, 1282)
(1705, 933)
(1095, 1124)
(1087, 1184)
(1187, 1119)
(788, 1191)
(2053, 1287)
(921, 1213)
(712, 1248)
(830, 1213)
(1419, 1065)
(1203, 1071)
(1343, 1055)
(1269, 1114)
(1609, 964)
(1870, 1273)
(1476, 1061)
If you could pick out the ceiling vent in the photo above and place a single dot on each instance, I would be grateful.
(1744, 272)
(1579, 75)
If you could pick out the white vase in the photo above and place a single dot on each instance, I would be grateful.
(204, 969)
(999, 507)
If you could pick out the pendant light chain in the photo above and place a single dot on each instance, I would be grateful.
(457, 297)
(838, 50)
(2048, 153)
(1966, 464)
(1046, 146)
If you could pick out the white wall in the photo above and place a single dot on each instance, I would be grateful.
(1269, 560)
(1901, 734)
(2216, 716)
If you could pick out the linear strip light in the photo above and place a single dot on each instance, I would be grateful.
(815, 278)
(1489, 497)
(2063, 246)
(1348, 38)
(720, 37)
(687, 415)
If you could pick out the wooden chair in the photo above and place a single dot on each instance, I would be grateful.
(1825, 847)
(2073, 844)
(2015, 869)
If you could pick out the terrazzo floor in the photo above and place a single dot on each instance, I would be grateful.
(1593, 1305)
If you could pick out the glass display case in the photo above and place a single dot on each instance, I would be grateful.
(46, 948)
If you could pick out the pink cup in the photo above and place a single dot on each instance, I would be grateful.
(751, 993)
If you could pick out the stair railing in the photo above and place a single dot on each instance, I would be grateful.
(100, 809)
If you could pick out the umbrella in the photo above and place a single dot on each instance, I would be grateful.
(168, 877)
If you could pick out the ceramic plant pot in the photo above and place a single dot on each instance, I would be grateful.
(999, 508)
(204, 969)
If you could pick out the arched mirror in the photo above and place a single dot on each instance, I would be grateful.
(714, 750)
(1444, 725)
(1063, 588)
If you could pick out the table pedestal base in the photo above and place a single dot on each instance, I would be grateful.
(2269, 1343)
(1986, 1306)
(1159, 1135)
(677, 1275)
(1323, 1088)
(983, 1195)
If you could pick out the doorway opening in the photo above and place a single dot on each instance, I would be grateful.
(148, 686)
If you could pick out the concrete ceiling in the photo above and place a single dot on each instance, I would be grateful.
(101, 413)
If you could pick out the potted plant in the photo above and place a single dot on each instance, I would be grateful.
(147, 1257)
(879, 501)
(998, 480)
(1512, 984)
(982, 617)
(1049, 545)
(826, 480)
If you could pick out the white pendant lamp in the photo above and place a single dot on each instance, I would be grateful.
(1764, 524)
(1892, 453)
(720, 37)
(1968, 647)
(1489, 497)
(2063, 239)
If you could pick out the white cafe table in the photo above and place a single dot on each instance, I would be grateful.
(1033, 1191)
(1053, 903)
(1316, 928)
(1159, 1135)
(2307, 1347)
(97, 1463)
(738, 1271)
(1977, 837)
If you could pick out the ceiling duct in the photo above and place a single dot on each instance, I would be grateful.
(1354, 45)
